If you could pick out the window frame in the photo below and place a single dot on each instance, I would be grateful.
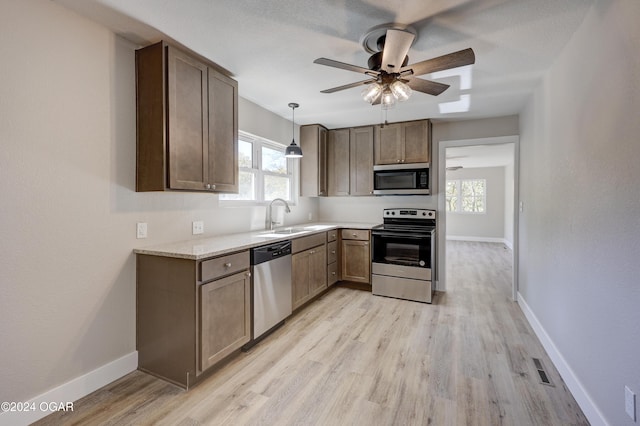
(459, 201)
(257, 143)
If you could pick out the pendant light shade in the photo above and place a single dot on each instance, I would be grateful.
(293, 150)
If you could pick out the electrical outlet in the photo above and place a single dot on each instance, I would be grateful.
(521, 206)
(310, 216)
(197, 227)
(630, 403)
(141, 230)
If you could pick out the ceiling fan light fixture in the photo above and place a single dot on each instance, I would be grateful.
(371, 92)
(400, 90)
(293, 150)
(388, 99)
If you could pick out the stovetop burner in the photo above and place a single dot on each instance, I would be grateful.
(408, 221)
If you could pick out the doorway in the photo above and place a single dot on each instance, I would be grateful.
(465, 159)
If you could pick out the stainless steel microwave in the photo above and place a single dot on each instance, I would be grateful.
(401, 179)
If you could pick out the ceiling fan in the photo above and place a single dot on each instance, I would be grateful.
(391, 78)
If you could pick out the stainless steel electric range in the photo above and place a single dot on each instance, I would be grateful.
(403, 255)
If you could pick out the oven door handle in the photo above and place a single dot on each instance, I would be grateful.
(402, 235)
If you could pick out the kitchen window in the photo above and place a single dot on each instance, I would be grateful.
(264, 172)
(466, 196)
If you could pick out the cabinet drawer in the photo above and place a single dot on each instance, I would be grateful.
(332, 273)
(332, 235)
(304, 243)
(355, 234)
(224, 265)
(332, 252)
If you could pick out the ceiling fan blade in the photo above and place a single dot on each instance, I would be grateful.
(444, 62)
(348, 67)
(347, 86)
(396, 47)
(426, 86)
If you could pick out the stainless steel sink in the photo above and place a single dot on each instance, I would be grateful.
(288, 231)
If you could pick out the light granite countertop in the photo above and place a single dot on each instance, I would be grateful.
(203, 248)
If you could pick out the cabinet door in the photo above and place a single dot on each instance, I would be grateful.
(313, 166)
(300, 278)
(188, 144)
(338, 162)
(361, 160)
(223, 132)
(317, 270)
(416, 142)
(356, 261)
(224, 317)
(388, 144)
(323, 189)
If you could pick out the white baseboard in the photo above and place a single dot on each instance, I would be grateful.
(481, 240)
(72, 390)
(580, 394)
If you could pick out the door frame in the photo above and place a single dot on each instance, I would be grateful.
(441, 225)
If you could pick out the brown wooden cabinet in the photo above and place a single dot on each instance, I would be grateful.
(332, 257)
(406, 142)
(187, 122)
(190, 314)
(356, 256)
(313, 166)
(350, 161)
(308, 268)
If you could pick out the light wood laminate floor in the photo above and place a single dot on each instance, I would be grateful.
(351, 358)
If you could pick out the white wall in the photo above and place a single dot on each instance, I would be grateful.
(69, 207)
(480, 227)
(509, 194)
(580, 229)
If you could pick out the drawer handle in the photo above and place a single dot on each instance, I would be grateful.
(312, 251)
(366, 244)
(227, 265)
(354, 234)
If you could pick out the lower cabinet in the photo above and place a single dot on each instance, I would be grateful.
(356, 256)
(224, 317)
(308, 268)
(190, 314)
(332, 257)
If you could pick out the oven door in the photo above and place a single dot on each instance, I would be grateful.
(400, 248)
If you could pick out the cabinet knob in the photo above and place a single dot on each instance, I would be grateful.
(333, 252)
(227, 265)
(213, 187)
(208, 186)
(333, 273)
(399, 161)
(312, 251)
(370, 192)
(366, 244)
(248, 274)
(354, 234)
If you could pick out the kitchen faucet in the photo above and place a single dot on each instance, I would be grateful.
(269, 224)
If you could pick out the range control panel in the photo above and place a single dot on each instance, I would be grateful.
(410, 213)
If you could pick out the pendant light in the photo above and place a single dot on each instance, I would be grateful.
(293, 150)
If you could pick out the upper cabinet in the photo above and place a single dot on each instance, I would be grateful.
(406, 142)
(187, 123)
(350, 161)
(313, 165)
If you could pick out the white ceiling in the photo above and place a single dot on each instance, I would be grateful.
(269, 47)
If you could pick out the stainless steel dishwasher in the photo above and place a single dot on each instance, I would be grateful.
(271, 271)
